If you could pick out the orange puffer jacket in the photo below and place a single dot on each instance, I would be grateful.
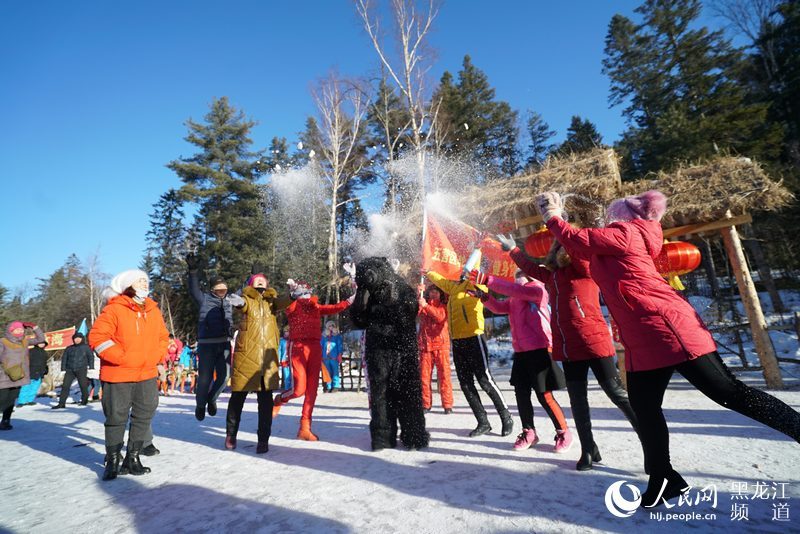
(130, 340)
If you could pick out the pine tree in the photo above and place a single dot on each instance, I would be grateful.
(677, 83)
(62, 299)
(582, 136)
(221, 180)
(540, 134)
(472, 122)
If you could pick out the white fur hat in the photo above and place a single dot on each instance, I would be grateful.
(123, 281)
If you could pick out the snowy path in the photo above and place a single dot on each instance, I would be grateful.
(50, 466)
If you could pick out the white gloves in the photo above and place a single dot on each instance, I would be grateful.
(507, 243)
(236, 300)
(549, 205)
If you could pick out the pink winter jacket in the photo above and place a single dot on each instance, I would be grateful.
(657, 326)
(527, 312)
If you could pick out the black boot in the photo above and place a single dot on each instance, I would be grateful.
(653, 496)
(113, 460)
(508, 423)
(579, 401)
(132, 464)
(587, 457)
(482, 428)
(150, 450)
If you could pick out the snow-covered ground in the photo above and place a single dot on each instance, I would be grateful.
(50, 468)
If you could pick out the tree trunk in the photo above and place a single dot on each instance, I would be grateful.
(747, 291)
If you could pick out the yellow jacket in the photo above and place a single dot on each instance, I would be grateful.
(464, 313)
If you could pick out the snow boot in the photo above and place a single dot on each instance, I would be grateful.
(212, 408)
(230, 442)
(448, 411)
(508, 423)
(132, 464)
(262, 447)
(5, 424)
(587, 457)
(673, 485)
(200, 413)
(58, 407)
(563, 441)
(526, 439)
(305, 432)
(482, 428)
(113, 460)
(151, 450)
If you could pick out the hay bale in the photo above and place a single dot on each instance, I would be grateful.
(704, 192)
(700, 192)
(592, 175)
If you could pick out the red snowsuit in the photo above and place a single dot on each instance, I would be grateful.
(305, 350)
(434, 350)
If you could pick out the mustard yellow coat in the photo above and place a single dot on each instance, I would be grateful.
(256, 352)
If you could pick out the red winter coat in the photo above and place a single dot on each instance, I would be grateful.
(657, 326)
(527, 310)
(433, 331)
(305, 318)
(580, 331)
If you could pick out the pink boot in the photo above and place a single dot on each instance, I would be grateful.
(563, 441)
(526, 439)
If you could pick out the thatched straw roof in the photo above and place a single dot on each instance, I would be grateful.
(705, 192)
(697, 193)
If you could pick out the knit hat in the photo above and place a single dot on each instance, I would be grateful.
(123, 281)
(650, 206)
(78, 334)
(13, 325)
(252, 279)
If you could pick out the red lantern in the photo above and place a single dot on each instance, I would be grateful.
(538, 244)
(677, 258)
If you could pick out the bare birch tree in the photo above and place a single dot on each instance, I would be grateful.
(409, 70)
(342, 106)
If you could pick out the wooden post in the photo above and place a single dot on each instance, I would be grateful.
(752, 306)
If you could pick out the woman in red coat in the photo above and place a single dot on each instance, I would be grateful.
(434, 348)
(581, 339)
(660, 330)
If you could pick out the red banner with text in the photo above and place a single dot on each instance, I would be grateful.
(59, 339)
(449, 243)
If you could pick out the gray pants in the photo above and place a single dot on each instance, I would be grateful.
(135, 400)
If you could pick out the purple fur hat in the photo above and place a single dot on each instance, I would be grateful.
(650, 206)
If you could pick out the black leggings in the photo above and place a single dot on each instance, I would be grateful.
(234, 414)
(605, 371)
(708, 374)
(548, 402)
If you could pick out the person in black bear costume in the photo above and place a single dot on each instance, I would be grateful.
(386, 306)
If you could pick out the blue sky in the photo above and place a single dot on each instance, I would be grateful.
(94, 96)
